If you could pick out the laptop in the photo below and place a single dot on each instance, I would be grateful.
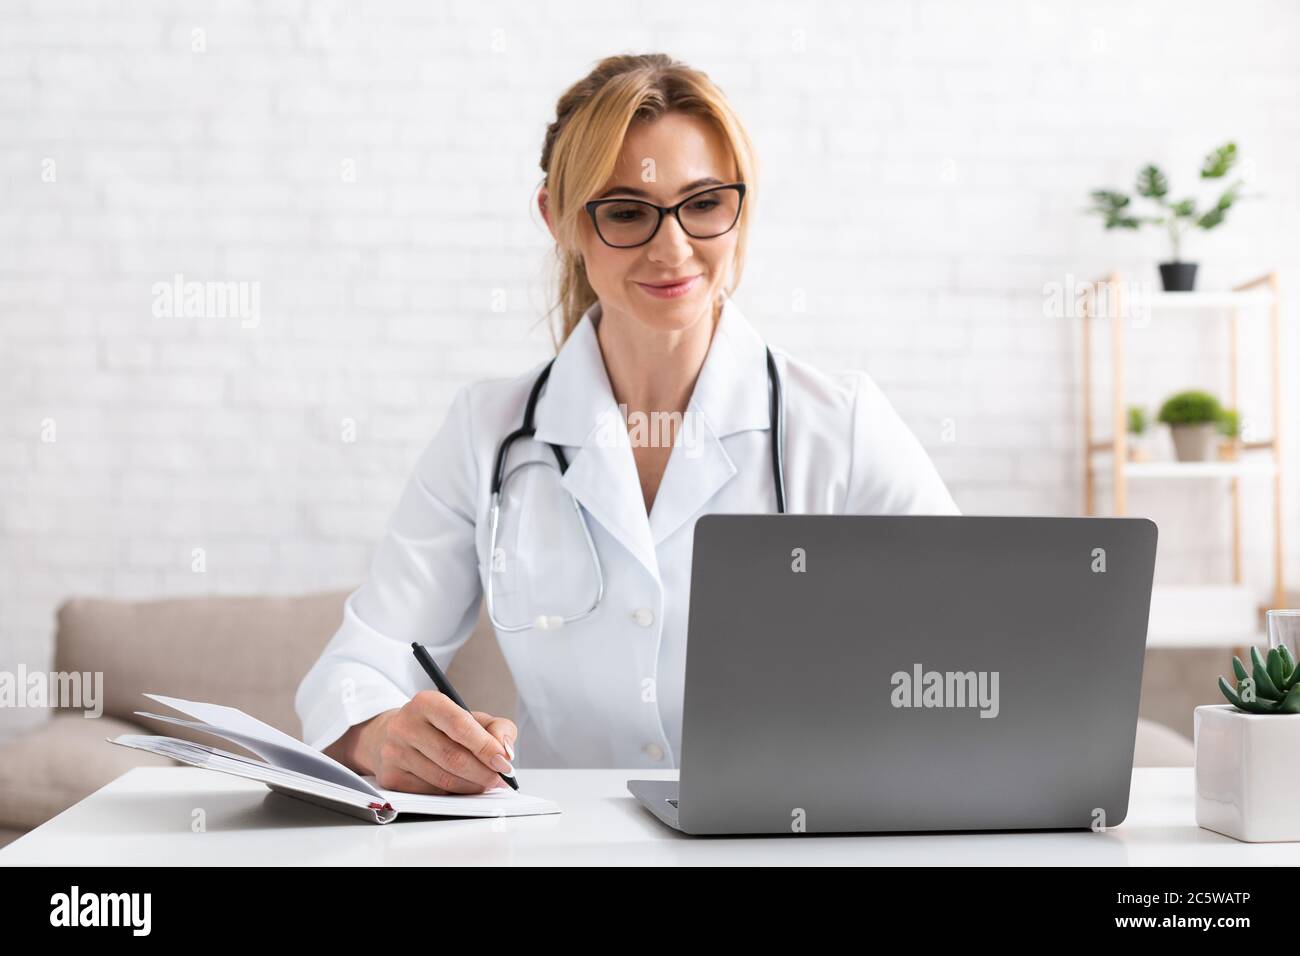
(863, 673)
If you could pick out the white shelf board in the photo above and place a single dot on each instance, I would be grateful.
(1196, 301)
(1139, 470)
(1214, 615)
(1221, 639)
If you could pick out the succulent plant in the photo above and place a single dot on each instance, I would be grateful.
(1271, 687)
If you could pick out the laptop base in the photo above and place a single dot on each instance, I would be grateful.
(659, 797)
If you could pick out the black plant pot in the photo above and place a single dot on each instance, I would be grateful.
(1178, 276)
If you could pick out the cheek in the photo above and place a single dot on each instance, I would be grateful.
(718, 259)
(606, 269)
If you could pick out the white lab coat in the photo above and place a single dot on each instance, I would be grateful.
(605, 691)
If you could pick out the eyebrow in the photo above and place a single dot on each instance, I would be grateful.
(689, 187)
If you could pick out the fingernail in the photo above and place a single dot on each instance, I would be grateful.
(501, 765)
(510, 750)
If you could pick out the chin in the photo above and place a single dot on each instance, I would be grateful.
(673, 314)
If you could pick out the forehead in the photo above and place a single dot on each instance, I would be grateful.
(663, 155)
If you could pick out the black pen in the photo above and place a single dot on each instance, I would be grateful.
(440, 681)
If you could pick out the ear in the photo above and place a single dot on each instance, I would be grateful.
(543, 205)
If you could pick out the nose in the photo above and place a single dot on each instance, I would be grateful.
(670, 245)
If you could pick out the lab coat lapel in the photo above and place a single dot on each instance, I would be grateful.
(730, 396)
(603, 477)
(698, 467)
(577, 410)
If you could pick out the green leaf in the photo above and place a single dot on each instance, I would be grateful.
(1264, 686)
(1110, 205)
(1231, 694)
(1219, 161)
(1274, 665)
(1239, 668)
(1109, 199)
(1211, 219)
(1184, 209)
(1291, 702)
(1292, 672)
(1230, 196)
(1151, 182)
(1190, 408)
(1256, 706)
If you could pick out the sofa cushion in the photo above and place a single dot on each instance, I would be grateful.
(245, 652)
(480, 674)
(49, 768)
(1159, 746)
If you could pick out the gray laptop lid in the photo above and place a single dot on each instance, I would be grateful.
(838, 667)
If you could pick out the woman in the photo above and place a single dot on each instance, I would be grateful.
(649, 189)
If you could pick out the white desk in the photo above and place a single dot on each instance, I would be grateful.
(144, 817)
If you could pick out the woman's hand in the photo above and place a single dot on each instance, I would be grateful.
(431, 746)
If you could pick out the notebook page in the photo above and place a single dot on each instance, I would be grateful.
(210, 758)
(502, 802)
(272, 745)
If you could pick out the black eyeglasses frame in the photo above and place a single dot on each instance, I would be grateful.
(662, 211)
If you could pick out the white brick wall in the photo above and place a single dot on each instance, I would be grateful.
(924, 167)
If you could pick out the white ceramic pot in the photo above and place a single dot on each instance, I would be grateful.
(1248, 774)
(1194, 442)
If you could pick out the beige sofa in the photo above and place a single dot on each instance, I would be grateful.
(248, 652)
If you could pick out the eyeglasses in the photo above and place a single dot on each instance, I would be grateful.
(625, 223)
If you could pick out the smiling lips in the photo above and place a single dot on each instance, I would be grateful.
(670, 290)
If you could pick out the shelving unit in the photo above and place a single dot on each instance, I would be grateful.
(1252, 299)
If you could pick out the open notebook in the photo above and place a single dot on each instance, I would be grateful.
(289, 766)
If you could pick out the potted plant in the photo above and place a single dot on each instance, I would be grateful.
(1229, 427)
(1137, 427)
(1193, 419)
(1176, 216)
(1246, 777)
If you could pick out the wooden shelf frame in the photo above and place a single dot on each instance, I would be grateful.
(1262, 291)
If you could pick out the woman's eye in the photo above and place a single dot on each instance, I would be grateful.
(625, 214)
(704, 205)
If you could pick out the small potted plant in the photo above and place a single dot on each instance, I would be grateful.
(1193, 419)
(1229, 426)
(1246, 774)
(1176, 216)
(1137, 427)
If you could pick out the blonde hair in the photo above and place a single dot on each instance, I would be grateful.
(583, 144)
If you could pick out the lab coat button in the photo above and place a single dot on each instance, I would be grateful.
(654, 751)
(645, 617)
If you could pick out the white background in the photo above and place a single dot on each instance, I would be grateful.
(924, 170)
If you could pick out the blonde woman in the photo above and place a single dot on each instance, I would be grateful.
(566, 495)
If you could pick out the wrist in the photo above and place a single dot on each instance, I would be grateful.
(366, 739)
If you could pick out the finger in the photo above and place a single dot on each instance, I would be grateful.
(449, 756)
(461, 727)
(439, 777)
(403, 781)
(502, 728)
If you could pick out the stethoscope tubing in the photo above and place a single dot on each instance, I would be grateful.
(776, 414)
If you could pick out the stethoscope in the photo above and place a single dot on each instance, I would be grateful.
(776, 411)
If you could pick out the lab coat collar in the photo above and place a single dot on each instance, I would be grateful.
(577, 409)
(730, 392)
